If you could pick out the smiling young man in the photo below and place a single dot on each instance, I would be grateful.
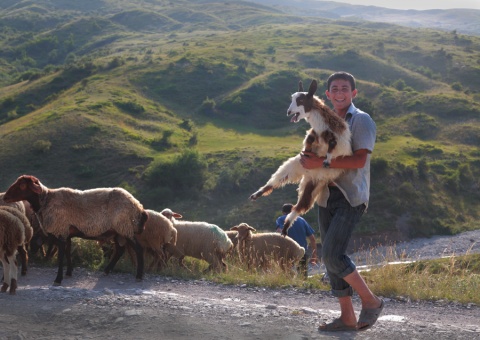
(347, 201)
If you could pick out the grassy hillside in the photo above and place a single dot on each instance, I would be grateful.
(184, 104)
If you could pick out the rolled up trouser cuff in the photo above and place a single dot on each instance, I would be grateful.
(342, 293)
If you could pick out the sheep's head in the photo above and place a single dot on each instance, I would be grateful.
(26, 188)
(302, 102)
(244, 231)
(168, 213)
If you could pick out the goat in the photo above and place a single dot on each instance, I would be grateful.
(328, 137)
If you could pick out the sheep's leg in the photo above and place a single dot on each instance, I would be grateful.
(140, 260)
(68, 255)
(13, 274)
(60, 255)
(291, 171)
(51, 247)
(23, 259)
(118, 251)
(6, 273)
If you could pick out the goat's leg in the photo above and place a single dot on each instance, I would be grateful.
(291, 171)
(307, 194)
(331, 140)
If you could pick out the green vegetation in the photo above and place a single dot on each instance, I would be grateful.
(184, 104)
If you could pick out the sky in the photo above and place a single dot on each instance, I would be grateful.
(417, 4)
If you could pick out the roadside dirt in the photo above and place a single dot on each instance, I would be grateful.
(91, 305)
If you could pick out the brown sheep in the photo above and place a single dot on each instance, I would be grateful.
(96, 214)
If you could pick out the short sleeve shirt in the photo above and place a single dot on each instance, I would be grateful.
(355, 183)
(299, 230)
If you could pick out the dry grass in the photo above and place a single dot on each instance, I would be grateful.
(456, 278)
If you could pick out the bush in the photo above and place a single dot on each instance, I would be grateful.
(42, 146)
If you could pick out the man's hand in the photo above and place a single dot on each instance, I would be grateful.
(310, 160)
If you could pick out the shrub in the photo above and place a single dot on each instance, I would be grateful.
(42, 146)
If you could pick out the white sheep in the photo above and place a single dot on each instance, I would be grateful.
(258, 249)
(12, 236)
(329, 137)
(201, 240)
(96, 214)
(28, 231)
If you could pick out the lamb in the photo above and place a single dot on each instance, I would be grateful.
(329, 136)
(201, 240)
(28, 231)
(96, 214)
(232, 235)
(160, 238)
(12, 236)
(255, 249)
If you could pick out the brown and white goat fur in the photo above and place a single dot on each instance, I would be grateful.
(328, 137)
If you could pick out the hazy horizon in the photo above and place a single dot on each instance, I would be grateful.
(417, 5)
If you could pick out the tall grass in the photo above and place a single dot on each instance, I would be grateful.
(455, 278)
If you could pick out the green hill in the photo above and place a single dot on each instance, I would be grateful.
(184, 104)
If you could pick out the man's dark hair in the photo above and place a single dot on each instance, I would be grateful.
(287, 208)
(341, 75)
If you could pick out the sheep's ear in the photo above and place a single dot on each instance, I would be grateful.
(313, 88)
(251, 228)
(35, 186)
(176, 215)
(234, 228)
(300, 86)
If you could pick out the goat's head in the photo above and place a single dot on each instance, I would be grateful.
(302, 102)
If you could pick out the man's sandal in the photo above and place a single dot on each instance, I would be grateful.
(336, 325)
(369, 316)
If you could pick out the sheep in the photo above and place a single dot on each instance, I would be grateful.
(28, 231)
(18, 205)
(255, 249)
(12, 236)
(96, 214)
(159, 238)
(232, 235)
(329, 136)
(201, 240)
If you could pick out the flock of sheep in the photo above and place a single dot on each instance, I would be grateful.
(114, 215)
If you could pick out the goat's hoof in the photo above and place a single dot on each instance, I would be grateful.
(56, 284)
(4, 287)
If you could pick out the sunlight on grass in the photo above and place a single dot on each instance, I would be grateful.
(455, 278)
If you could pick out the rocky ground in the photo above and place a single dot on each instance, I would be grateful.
(93, 306)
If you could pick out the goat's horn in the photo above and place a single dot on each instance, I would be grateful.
(300, 86)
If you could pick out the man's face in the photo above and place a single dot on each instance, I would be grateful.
(341, 94)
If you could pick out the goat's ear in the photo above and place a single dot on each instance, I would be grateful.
(300, 86)
(234, 228)
(313, 88)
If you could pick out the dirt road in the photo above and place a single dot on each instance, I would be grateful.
(94, 306)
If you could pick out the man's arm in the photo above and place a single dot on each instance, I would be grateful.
(310, 160)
